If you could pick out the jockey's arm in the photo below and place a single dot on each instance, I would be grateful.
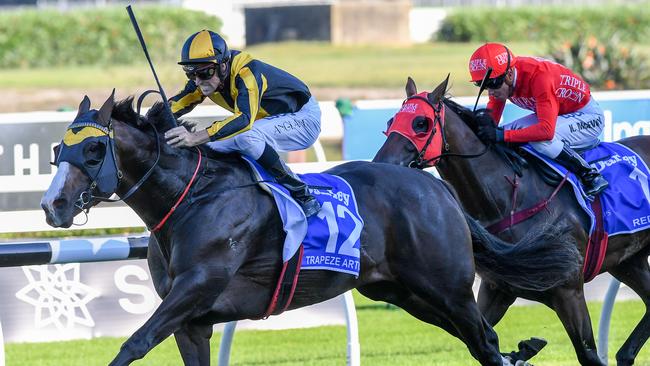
(547, 109)
(186, 99)
(496, 109)
(247, 105)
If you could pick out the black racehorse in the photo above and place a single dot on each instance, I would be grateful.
(484, 181)
(218, 256)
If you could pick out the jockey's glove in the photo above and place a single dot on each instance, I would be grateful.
(489, 134)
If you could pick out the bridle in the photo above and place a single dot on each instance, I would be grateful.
(419, 161)
(89, 197)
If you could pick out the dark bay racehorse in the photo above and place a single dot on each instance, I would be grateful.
(218, 257)
(484, 180)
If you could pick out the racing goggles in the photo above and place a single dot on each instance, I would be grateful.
(204, 73)
(494, 83)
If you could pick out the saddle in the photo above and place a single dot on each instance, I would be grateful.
(519, 159)
(623, 208)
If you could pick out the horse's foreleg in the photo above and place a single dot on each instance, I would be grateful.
(158, 267)
(635, 273)
(194, 344)
(570, 306)
(190, 296)
(193, 341)
(493, 302)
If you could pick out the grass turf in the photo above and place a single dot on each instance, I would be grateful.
(389, 336)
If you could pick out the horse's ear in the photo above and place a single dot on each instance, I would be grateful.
(104, 114)
(84, 106)
(411, 89)
(439, 92)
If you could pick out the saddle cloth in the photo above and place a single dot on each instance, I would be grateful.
(331, 238)
(626, 202)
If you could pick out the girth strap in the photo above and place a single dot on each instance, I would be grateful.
(286, 285)
(517, 217)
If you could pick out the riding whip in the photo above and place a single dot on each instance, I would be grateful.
(146, 53)
(482, 87)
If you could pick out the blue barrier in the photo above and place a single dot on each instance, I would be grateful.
(73, 251)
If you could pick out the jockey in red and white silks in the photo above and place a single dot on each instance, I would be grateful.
(565, 116)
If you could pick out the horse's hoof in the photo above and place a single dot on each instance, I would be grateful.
(529, 348)
(523, 363)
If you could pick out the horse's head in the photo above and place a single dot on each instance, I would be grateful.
(86, 164)
(416, 132)
(427, 126)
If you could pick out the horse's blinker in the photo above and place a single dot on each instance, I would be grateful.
(429, 143)
(90, 147)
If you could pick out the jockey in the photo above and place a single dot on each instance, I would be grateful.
(565, 116)
(272, 109)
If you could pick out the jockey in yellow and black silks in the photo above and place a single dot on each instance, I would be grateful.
(272, 109)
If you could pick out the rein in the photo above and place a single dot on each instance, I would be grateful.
(419, 162)
(448, 154)
(180, 199)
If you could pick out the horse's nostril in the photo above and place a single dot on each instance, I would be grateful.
(59, 203)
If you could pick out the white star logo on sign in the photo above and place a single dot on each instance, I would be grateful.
(59, 297)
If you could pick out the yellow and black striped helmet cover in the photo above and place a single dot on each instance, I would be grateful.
(200, 48)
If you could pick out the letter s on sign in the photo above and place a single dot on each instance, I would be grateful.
(149, 298)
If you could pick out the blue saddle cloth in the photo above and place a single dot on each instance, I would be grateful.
(331, 238)
(626, 202)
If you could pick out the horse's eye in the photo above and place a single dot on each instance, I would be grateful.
(94, 153)
(420, 124)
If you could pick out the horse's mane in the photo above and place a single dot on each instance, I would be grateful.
(160, 116)
(465, 114)
(509, 155)
(123, 111)
(157, 114)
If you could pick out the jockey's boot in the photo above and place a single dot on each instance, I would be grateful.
(270, 160)
(592, 181)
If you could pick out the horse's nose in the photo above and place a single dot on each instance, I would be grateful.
(51, 204)
(60, 203)
(51, 207)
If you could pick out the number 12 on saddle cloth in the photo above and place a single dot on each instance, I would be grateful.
(331, 239)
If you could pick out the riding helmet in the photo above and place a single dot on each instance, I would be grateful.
(490, 55)
(204, 47)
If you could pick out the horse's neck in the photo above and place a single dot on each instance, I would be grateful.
(480, 182)
(172, 174)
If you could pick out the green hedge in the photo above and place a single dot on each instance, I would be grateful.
(631, 23)
(98, 36)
